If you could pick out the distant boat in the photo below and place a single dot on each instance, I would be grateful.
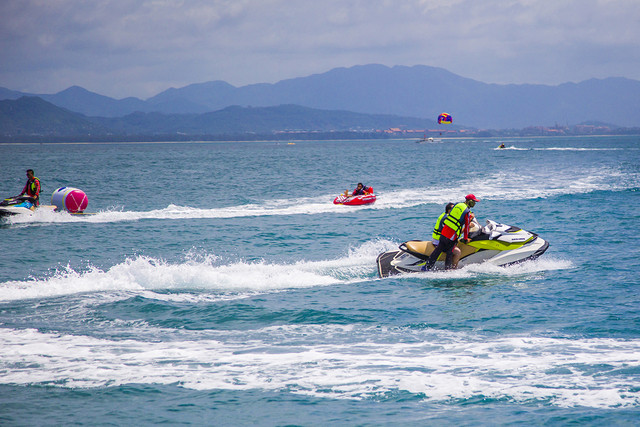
(425, 139)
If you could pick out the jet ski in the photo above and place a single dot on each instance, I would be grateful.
(495, 243)
(64, 199)
(19, 205)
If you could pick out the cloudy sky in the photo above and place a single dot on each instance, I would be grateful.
(139, 48)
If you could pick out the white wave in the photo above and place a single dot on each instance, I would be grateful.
(144, 275)
(151, 277)
(502, 185)
(575, 149)
(534, 184)
(526, 268)
(299, 206)
(340, 362)
(512, 147)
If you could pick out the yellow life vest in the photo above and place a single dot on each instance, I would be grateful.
(454, 219)
(437, 229)
(34, 185)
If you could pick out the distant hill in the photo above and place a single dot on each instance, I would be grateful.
(422, 91)
(88, 103)
(33, 116)
(418, 91)
(237, 119)
(10, 94)
(197, 98)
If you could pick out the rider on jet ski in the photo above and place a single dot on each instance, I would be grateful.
(454, 222)
(437, 232)
(32, 187)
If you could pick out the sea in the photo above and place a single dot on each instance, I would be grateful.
(218, 284)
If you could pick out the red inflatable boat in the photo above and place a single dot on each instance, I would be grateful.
(365, 199)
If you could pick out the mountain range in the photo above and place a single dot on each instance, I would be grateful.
(419, 91)
(33, 118)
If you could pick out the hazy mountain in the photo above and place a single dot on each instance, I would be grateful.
(418, 91)
(195, 98)
(235, 120)
(10, 94)
(31, 115)
(422, 91)
(88, 103)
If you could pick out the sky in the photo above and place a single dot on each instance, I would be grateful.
(122, 48)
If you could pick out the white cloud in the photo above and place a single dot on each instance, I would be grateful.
(139, 48)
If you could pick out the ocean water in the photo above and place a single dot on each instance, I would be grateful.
(217, 284)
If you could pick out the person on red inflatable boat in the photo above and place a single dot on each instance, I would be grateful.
(360, 190)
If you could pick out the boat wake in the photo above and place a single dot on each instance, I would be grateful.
(210, 278)
(339, 362)
(514, 148)
(495, 186)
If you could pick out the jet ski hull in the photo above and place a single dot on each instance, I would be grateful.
(497, 244)
(8, 211)
(14, 210)
(17, 205)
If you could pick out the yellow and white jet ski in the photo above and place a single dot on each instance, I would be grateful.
(495, 243)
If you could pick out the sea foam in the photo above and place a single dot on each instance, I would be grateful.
(339, 362)
(237, 278)
(494, 186)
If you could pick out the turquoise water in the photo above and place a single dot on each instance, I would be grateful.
(217, 284)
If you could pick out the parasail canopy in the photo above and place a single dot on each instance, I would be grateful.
(445, 118)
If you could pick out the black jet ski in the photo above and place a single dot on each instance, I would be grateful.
(495, 243)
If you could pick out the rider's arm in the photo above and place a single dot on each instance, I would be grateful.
(466, 226)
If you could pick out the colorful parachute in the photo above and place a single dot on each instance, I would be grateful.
(445, 118)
